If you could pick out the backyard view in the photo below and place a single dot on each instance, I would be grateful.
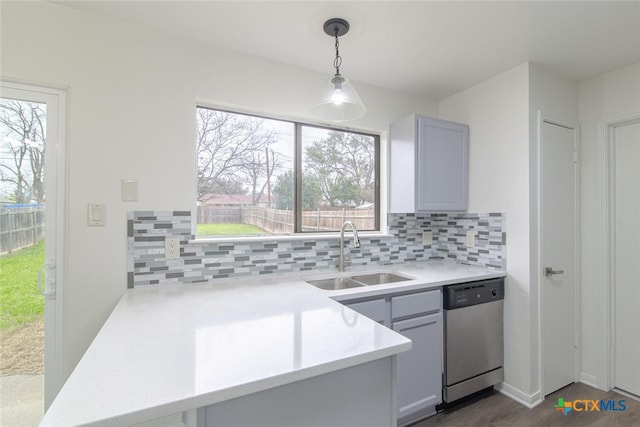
(213, 229)
(22, 253)
(247, 179)
(21, 312)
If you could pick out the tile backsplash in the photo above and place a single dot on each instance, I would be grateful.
(203, 261)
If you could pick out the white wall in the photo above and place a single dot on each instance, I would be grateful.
(611, 96)
(497, 112)
(131, 99)
(502, 115)
(556, 98)
(503, 176)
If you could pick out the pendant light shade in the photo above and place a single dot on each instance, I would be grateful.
(339, 101)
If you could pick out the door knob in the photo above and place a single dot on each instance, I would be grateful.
(549, 271)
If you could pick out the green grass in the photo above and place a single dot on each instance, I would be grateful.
(227, 229)
(20, 301)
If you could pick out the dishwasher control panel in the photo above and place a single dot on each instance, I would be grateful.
(472, 293)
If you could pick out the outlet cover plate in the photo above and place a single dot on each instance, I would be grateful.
(129, 190)
(427, 237)
(172, 247)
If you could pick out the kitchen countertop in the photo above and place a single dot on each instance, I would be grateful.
(170, 348)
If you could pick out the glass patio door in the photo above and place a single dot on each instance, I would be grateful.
(32, 210)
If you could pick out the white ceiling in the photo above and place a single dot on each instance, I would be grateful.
(425, 47)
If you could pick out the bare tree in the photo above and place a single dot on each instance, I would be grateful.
(23, 131)
(258, 173)
(230, 149)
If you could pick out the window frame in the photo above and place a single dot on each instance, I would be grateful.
(298, 171)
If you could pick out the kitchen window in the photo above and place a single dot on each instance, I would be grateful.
(259, 176)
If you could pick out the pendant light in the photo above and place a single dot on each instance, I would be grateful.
(339, 101)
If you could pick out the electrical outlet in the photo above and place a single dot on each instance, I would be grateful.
(471, 238)
(427, 237)
(172, 247)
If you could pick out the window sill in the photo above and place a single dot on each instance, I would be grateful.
(287, 238)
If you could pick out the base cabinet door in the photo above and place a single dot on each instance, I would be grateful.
(419, 371)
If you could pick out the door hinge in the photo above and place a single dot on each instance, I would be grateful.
(575, 157)
(575, 341)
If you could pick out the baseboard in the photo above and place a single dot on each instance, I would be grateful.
(627, 394)
(528, 400)
(588, 379)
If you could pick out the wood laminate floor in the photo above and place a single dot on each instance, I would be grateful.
(496, 409)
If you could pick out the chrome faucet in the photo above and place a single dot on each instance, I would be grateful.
(356, 242)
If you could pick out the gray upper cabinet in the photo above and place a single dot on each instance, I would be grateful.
(428, 168)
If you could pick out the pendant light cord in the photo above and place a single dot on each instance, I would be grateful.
(337, 62)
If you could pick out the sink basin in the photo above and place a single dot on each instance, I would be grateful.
(335, 283)
(379, 278)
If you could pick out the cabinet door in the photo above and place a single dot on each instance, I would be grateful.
(419, 370)
(442, 165)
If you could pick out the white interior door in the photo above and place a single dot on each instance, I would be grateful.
(626, 285)
(53, 102)
(558, 256)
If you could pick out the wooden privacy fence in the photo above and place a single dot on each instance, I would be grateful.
(282, 220)
(20, 226)
(267, 219)
(331, 220)
(219, 215)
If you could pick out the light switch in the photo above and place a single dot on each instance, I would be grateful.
(129, 190)
(96, 215)
(471, 238)
(427, 237)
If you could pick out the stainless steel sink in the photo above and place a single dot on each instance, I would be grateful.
(335, 283)
(379, 278)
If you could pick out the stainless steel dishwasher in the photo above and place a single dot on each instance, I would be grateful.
(473, 337)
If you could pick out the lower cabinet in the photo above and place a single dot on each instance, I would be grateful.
(419, 370)
(417, 316)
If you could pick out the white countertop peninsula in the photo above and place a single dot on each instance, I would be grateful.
(172, 348)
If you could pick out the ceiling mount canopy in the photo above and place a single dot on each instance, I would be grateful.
(336, 27)
(339, 101)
